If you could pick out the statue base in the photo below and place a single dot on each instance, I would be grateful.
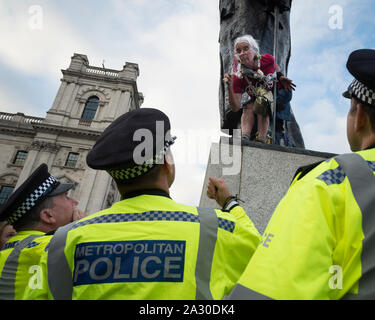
(259, 174)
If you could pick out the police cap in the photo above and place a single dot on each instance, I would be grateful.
(132, 145)
(361, 64)
(36, 188)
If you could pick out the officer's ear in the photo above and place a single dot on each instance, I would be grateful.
(46, 215)
(170, 167)
(169, 158)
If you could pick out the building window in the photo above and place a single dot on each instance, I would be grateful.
(5, 193)
(20, 158)
(72, 159)
(90, 108)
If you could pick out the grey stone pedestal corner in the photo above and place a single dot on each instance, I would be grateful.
(260, 174)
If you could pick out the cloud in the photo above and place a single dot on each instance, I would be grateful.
(36, 39)
(188, 184)
(185, 79)
(186, 87)
(176, 47)
(318, 65)
(12, 103)
(180, 75)
(326, 128)
(310, 23)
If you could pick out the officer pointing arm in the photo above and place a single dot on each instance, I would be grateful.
(146, 246)
(218, 190)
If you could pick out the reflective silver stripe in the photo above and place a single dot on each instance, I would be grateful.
(207, 241)
(362, 182)
(242, 293)
(8, 275)
(59, 274)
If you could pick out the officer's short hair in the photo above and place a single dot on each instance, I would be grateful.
(147, 178)
(33, 218)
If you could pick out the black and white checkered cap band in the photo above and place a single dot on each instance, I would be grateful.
(30, 202)
(363, 93)
(139, 170)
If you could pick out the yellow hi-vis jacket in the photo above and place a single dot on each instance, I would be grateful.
(148, 247)
(19, 261)
(318, 243)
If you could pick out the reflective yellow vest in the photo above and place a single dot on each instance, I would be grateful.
(19, 261)
(148, 247)
(317, 244)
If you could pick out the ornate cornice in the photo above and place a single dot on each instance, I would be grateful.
(27, 131)
(96, 77)
(86, 133)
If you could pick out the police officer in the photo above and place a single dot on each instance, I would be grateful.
(38, 207)
(146, 246)
(318, 243)
(6, 231)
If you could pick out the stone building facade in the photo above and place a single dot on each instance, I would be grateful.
(88, 100)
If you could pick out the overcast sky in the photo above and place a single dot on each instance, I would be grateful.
(175, 44)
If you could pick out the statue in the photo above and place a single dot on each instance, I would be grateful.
(257, 18)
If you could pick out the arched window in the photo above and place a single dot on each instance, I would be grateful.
(90, 108)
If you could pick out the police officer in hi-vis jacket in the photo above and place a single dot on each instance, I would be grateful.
(35, 209)
(147, 246)
(319, 241)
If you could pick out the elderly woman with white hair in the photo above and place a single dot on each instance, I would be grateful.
(255, 76)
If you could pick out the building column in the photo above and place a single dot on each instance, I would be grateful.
(59, 95)
(113, 106)
(98, 192)
(124, 104)
(84, 195)
(72, 100)
(63, 106)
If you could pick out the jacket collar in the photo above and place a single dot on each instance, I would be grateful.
(370, 147)
(153, 192)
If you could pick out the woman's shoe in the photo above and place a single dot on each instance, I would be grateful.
(266, 140)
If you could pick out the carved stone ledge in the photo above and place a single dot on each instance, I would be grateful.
(44, 146)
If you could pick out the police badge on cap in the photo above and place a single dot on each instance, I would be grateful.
(40, 185)
(361, 64)
(132, 145)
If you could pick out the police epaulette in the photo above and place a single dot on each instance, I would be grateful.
(305, 170)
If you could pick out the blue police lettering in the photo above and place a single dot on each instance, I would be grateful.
(105, 261)
(118, 275)
(129, 261)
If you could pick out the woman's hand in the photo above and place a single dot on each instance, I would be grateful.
(228, 80)
(287, 83)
